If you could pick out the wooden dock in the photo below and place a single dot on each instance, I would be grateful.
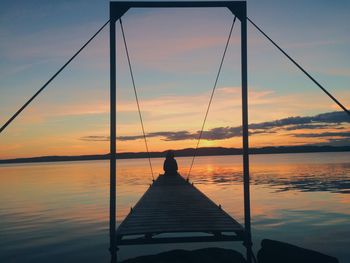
(173, 205)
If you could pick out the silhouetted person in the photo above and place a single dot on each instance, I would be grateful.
(170, 164)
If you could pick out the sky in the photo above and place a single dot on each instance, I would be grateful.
(175, 55)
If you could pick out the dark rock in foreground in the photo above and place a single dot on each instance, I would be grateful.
(205, 255)
(271, 252)
(276, 252)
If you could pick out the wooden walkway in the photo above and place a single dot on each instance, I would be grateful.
(173, 205)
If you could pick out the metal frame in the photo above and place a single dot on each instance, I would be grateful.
(165, 240)
(117, 10)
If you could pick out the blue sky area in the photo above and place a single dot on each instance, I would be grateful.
(175, 55)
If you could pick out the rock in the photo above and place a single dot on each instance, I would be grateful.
(206, 255)
(276, 252)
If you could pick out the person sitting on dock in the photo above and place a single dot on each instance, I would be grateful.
(170, 164)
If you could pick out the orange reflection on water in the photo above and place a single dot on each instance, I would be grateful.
(292, 196)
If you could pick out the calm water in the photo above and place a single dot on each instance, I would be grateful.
(58, 212)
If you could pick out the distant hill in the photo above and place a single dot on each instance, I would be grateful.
(205, 151)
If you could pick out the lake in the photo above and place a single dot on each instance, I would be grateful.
(58, 212)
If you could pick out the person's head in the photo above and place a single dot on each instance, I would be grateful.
(170, 154)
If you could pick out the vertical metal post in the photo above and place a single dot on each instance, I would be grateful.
(112, 160)
(247, 226)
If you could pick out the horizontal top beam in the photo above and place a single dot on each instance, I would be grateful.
(152, 4)
(117, 9)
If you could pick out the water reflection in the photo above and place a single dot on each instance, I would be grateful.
(59, 211)
(332, 177)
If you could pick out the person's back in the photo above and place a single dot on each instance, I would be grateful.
(170, 164)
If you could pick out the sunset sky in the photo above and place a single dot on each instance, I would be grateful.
(175, 55)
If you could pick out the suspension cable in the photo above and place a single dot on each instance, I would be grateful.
(300, 67)
(136, 97)
(51, 79)
(211, 97)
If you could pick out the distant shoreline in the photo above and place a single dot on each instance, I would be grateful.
(205, 151)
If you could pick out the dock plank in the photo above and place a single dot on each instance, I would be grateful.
(173, 205)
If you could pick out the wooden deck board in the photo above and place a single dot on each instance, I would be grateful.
(172, 205)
